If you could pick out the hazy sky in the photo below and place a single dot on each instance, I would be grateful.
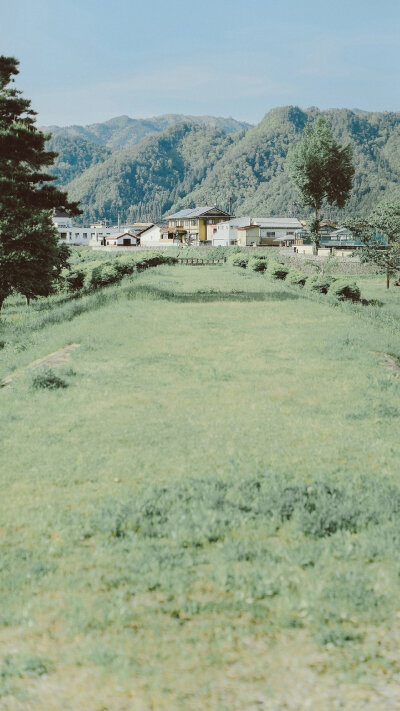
(84, 61)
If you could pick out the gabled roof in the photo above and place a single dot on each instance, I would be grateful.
(282, 222)
(198, 212)
(121, 234)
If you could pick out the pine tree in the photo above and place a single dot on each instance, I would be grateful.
(30, 254)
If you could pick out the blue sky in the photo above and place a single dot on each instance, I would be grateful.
(84, 61)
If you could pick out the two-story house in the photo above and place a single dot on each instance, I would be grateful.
(191, 224)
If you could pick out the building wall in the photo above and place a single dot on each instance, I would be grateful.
(151, 236)
(247, 237)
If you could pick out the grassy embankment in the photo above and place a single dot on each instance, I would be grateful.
(207, 516)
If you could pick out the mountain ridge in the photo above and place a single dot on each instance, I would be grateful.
(191, 163)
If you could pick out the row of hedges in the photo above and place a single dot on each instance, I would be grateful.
(340, 289)
(90, 275)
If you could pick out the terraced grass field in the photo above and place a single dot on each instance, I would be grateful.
(206, 516)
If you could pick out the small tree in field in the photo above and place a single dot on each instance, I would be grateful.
(321, 170)
(30, 254)
(385, 219)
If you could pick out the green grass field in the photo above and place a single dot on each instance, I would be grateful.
(207, 516)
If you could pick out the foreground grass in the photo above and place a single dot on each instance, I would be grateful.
(207, 517)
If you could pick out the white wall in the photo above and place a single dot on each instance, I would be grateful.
(151, 236)
(226, 232)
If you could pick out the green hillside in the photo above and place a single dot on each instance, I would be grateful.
(144, 182)
(253, 172)
(75, 155)
(188, 164)
(124, 132)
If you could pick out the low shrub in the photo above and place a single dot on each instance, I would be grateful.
(103, 275)
(125, 265)
(343, 289)
(296, 277)
(277, 271)
(239, 259)
(320, 283)
(74, 279)
(257, 264)
(153, 259)
(47, 379)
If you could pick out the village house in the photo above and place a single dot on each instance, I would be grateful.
(248, 236)
(277, 231)
(125, 239)
(81, 236)
(191, 224)
(159, 235)
(224, 234)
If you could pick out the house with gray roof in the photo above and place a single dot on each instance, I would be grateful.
(190, 224)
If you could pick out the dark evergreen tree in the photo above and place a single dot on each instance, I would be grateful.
(30, 255)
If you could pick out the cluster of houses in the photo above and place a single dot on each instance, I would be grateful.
(208, 226)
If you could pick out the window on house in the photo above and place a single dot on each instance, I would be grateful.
(270, 234)
(84, 235)
(63, 235)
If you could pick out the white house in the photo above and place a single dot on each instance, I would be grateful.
(277, 229)
(124, 239)
(225, 233)
(89, 236)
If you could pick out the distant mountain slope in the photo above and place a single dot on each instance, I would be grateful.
(191, 163)
(143, 182)
(252, 172)
(75, 155)
(125, 132)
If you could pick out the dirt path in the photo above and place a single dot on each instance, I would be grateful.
(389, 362)
(52, 360)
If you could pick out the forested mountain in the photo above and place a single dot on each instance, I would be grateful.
(142, 183)
(189, 164)
(75, 155)
(125, 132)
(253, 170)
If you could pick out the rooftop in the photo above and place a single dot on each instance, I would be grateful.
(282, 222)
(192, 212)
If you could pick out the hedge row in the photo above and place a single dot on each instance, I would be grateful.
(340, 289)
(91, 275)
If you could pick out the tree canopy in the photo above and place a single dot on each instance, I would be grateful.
(385, 220)
(29, 249)
(321, 170)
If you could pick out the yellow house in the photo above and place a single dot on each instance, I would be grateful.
(192, 222)
(248, 235)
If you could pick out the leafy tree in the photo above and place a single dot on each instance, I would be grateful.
(30, 255)
(321, 170)
(384, 219)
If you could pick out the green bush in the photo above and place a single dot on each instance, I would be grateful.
(153, 259)
(104, 275)
(320, 283)
(74, 278)
(277, 271)
(342, 290)
(257, 264)
(46, 379)
(296, 277)
(125, 265)
(240, 259)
